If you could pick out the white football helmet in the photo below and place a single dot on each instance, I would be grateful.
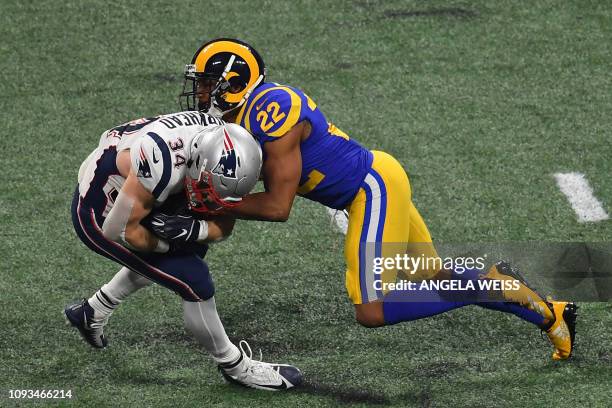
(224, 166)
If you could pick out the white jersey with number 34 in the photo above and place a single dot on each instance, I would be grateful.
(159, 152)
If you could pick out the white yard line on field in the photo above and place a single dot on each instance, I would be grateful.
(573, 185)
(580, 195)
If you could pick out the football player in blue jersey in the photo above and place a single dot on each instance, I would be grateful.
(306, 155)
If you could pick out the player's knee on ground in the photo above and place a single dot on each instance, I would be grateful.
(370, 314)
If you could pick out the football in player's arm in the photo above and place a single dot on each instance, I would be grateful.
(135, 174)
(306, 155)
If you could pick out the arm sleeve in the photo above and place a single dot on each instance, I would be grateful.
(117, 219)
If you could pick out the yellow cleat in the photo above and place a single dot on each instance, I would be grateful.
(563, 330)
(524, 296)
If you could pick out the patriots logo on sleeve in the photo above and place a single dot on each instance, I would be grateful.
(227, 164)
(144, 170)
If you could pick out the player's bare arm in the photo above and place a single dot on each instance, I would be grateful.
(132, 205)
(220, 228)
(135, 234)
(281, 173)
(141, 202)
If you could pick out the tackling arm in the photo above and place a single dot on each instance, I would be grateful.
(219, 228)
(281, 172)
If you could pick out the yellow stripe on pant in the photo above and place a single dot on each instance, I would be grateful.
(382, 223)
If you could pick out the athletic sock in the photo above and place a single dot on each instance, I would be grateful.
(106, 299)
(407, 305)
(517, 310)
(102, 304)
(202, 321)
(490, 300)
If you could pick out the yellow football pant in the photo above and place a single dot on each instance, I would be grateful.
(383, 223)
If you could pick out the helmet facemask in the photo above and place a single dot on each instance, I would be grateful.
(224, 165)
(233, 67)
(203, 198)
(188, 99)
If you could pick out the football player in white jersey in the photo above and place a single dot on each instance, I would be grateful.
(124, 184)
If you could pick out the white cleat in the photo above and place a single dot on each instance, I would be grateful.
(258, 374)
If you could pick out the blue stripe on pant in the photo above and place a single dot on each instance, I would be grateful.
(184, 273)
(370, 243)
(363, 281)
(382, 217)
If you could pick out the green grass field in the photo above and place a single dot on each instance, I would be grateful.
(481, 102)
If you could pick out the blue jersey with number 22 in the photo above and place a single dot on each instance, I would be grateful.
(333, 165)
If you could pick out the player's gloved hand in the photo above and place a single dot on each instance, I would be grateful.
(175, 228)
(181, 248)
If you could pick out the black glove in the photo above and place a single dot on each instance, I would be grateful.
(182, 248)
(174, 228)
